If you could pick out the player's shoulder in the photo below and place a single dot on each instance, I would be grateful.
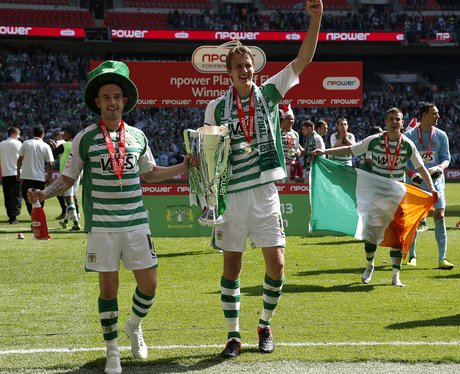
(408, 140)
(217, 101)
(88, 132)
(411, 132)
(133, 130)
(440, 132)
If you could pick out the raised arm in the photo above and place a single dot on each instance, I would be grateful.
(308, 47)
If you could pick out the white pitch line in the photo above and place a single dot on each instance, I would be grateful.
(202, 346)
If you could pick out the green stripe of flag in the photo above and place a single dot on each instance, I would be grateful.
(333, 197)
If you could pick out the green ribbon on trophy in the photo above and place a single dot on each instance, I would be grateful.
(197, 190)
(208, 182)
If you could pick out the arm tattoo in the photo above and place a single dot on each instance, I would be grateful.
(56, 188)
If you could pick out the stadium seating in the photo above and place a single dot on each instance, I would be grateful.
(297, 4)
(33, 17)
(37, 2)
(425, 5)
(136, 20)
(174, 4)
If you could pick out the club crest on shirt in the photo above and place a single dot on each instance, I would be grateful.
(92, 257)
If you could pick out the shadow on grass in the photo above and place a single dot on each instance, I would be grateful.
(339, 271)
(165, 365)
(449, 276)
(351, 241)
(189, 253)
(441, 321)
(303, 288)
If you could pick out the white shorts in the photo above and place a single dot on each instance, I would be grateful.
(73, 191)
(253, 213)
(105, 250)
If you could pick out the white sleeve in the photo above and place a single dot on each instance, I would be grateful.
(352, 138)
(283, 80)
(209, 114)
(333, 139)
(74, 164)
(146, 161)
(361, 147)
(319, 143)
(49, 156)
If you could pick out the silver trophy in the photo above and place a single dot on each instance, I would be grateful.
(211, 145)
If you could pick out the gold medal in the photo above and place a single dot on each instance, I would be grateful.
(248, 150)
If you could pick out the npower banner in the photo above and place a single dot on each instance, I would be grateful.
(179, 84)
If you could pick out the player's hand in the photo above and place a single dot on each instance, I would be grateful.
(435, 172)
(318, 152)
(191, 160)
(435, 195)
(314, 7)
(34, 195)
(416, 178)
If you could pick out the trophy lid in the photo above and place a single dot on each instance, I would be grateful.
(213, 130)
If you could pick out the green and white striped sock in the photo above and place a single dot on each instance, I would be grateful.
(396, 260)
(370, 250)
(230, 299)
(141, 305)
(271, 295)
(108, 315)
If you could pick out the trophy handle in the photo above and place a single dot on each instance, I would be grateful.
(189, 136)
(227, 148)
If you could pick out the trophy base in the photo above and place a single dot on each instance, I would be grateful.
(210, 218)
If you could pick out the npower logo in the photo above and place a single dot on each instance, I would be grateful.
(341, 83)
(293, 36)
(212, 58)
(67, 32)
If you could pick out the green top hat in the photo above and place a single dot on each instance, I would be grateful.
(115, 72)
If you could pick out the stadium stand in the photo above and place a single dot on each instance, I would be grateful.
(37, 2)
(38, 17)
(136, 20)
(296, 4)
(419, 5)
(174, 4)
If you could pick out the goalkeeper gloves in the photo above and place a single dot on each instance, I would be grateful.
(435, 172)
(416, 178)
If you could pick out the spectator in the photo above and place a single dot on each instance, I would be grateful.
(9, 153)
(36, 160)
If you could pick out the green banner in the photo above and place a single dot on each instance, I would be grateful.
(171, 216)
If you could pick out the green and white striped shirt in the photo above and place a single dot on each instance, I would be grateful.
(337, 141)
(376, 144)
(107, 206)
(291, 144)
(245, 169)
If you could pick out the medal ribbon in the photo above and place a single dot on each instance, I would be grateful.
(392, 160)
(419, 131)
(247, 126)
(117, 162)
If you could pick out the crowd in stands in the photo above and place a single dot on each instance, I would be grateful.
(56, 108)
(366, 18)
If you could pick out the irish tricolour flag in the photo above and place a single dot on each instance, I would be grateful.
(364, 205)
